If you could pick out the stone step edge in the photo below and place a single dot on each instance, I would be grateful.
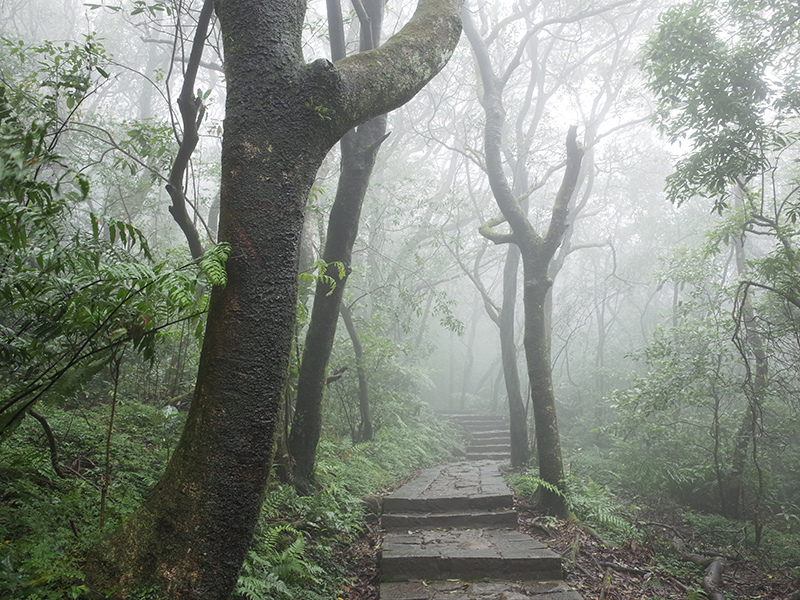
(416, 590)
(485, 456)
(403, 568)
(447, 504)
(505, 519)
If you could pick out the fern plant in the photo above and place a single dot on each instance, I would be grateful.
(277, 565)
(590, 502)
(595, 506)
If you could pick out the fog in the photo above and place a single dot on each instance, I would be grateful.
(669, 326)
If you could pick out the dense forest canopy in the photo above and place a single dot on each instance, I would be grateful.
(579, 214)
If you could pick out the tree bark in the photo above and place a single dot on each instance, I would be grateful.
(518, 417)
(189, 538)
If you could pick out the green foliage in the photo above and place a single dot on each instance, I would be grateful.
(327, 273)
(596, 506)
(213, 262)
(528, 486)
(46, 522)
(712, 88)
(54, 77)
(320, 111)
(138, 7)
(592, 503)
(74, 285)
(780, 549)
(418, 440)
(277, 567)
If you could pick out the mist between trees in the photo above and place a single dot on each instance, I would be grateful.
(582, 215)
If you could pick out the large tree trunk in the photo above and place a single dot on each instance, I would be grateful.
(359, 151)
(189, 538)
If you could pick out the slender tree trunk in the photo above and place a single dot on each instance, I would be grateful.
(752, 345)
(536, 252)
(192, 112)
(359, 151)
(365, 432)
(518, 419)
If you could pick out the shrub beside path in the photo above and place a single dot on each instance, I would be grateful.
(451, 533)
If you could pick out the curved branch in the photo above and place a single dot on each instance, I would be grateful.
(745, 285)
(487, 230)
(383, 79)
(558, 219)
(51, 442)
(192, 113)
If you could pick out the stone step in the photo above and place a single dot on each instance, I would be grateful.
(447, 503)
(471, 417)
(490, 447)
(487, 455)
(484, 425)
(462, 519)
(491, 434)
(478, 590)
(497, 554)
(472, 422)
(464, 486)
(478, 444)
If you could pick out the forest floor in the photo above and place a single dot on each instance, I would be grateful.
(601, 571)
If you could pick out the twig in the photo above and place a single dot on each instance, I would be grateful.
(622, 569)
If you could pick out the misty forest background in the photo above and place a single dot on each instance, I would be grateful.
(673, 316)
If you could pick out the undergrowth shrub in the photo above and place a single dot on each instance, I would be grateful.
(46, 522)
(593, 504)
(407, 444)
(779, 549)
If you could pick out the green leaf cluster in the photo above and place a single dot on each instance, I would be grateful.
(75, 288)
(718, 85)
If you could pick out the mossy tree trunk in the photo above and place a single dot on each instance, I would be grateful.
(189, 538)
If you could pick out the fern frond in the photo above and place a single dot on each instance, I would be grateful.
(213, 264)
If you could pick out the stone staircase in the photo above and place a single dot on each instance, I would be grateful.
(488, 436)
(451, 534)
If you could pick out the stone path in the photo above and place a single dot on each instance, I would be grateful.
(451, 534)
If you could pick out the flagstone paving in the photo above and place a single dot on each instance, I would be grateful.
(451, 533)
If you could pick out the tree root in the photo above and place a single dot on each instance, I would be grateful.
(714, 565)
